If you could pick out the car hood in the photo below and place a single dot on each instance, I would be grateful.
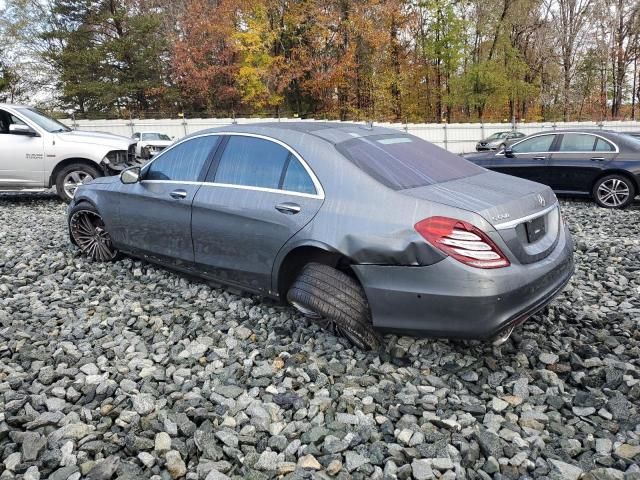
(97, 138)
(104, 180)
(497, 197)
(157, 143)
(479, 155)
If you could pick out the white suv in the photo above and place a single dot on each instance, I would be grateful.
(38, 152)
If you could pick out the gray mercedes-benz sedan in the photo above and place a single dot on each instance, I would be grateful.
(363, 228)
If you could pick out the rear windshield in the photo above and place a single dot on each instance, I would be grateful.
(404, 161)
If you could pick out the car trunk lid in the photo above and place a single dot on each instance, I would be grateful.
(524, 213)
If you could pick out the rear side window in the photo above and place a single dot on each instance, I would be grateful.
(541, 143)
(577, 142)
(603, 146)
(256, 162)
(403, 161)
(296, 178)
(184, 162)
(253, 162)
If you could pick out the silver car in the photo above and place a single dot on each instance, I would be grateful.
(498, 140)
(362, 228)
(38, 152)
(150, 143)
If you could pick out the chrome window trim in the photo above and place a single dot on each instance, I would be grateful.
(316, 182)
(518, 221)
(617, 149)
(239, 187)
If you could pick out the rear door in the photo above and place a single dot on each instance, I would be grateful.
(155, 213)
(529, 158)
(258, 194)
(21, 156)
(579, 159)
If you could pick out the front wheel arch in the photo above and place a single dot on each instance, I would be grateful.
(70, 161)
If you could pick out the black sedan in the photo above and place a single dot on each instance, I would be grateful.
(601, 164)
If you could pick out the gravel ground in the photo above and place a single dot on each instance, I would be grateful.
(129, 371)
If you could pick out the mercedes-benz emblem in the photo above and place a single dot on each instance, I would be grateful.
(541, 200)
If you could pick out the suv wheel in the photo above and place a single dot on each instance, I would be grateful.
(71, 177)
(331, 297)
(614, 191)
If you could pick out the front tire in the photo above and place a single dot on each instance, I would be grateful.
(614, 191)
(71, 177)
(329, 296)
(88, 231)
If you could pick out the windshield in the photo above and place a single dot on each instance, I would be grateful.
(496, 136)
(155, 136)
(44, 122)
(404, 161)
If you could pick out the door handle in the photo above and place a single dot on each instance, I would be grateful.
(539, 158)
(288, 208)
(599, 159)
(178, 194)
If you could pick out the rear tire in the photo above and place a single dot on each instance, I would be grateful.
(323, 293)
(71, 177)
(614, 191)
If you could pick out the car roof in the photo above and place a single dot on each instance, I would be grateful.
(13, 105)
(332, 132)
(594, 130)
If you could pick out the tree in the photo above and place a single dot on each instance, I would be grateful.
(205, 58)
(570, 18)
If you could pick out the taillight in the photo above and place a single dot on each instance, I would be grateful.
(462, 241)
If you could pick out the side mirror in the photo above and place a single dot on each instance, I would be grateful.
(20, 129)
(508, 152)
(130, 175)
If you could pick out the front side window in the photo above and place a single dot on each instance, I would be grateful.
(7, 119)
(401, 161)
(184, 162)
(541, 143)
(577, 142)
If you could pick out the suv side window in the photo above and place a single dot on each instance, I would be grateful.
(251, 162)
(577, 142)
(184, 162)
(7, 119)
(541, 143)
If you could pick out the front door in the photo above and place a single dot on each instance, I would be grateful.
(155, 214)
(528, 159)
(257, 196)
(579, 160)
(21, 156)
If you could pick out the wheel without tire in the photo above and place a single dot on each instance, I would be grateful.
(88, 232)
(323, 293)
(614, 191)
(71, 177)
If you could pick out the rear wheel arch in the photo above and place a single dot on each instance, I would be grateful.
(622, 173)
(297, 258)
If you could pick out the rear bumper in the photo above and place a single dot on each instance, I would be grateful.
(451, 300)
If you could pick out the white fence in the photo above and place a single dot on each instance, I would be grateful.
(455, 137)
